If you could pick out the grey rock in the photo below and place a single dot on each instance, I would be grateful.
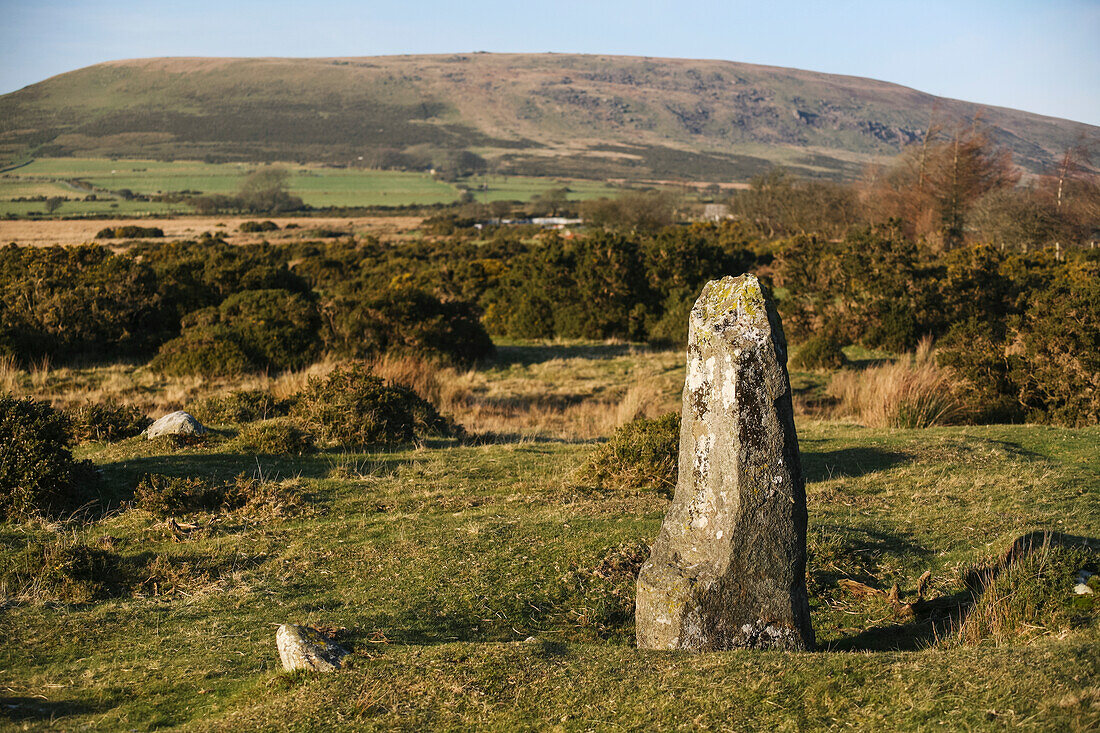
(175, 423)
(303, 647)
(728, 568)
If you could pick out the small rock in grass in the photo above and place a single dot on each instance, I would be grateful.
(175, 423)
(1082, 590)
(303, 647)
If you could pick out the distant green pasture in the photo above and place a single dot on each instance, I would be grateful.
(318, 186)
(90, 208)
(522, 188)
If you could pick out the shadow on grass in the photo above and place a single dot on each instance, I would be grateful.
(850, 462)
(24, 709)
(920, 633)
(122, 477)
(524, 354)
(492, 437)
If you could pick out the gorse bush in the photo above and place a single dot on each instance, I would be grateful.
(1058, 371)
(37, 472)
(406, 321)
(249, 227)
(238, 406)
(129, 231)
(206, 354)
(78, 302)
(106, 423)
(642, 454)
(250, 331)
(820, 352)
(166, 496)
(1018, 328)
(354, 408)
(275, 437)
(1038, 356)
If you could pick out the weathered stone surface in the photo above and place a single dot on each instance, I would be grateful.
(175, 423)
(728, 567)
(303, 647)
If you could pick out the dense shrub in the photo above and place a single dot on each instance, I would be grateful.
(642, 454)
(1058, 370)
(37, 472)
(671, 328)
(210, 354)
(106, 423)
(406, 321)
(870, 288)
(820, 352)
(194, 275)
(239, 406)
(607, 285)
(250, 331)
(78, 302)
(1037, 355)
(129, 231)
(275, 438)
(354, 408)
(250, 227)
(531, 317)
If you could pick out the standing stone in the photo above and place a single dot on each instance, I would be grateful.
(303, 647)
(728, 568)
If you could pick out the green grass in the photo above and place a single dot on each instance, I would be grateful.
(318, 186)
(442, 561)
(92, 208)
(522, 188)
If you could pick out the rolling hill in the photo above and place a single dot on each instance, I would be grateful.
(535, 114)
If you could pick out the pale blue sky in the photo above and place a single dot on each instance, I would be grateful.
(1037, 55)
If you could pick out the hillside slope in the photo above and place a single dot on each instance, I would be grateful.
(554, 114)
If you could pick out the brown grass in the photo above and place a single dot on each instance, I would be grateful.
(50, 232)
(564, 398)
(912, 392)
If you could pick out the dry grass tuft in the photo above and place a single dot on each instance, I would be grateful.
(1031, 595)
(912, 392)
(443, 386)
(11, 376)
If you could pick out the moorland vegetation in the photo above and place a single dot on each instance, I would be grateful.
(922, 254)
(400, 452)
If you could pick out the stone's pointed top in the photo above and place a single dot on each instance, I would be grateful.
(731, 306)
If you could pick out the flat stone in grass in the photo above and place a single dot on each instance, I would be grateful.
(728, 568)
(175, 423)
(303, 647)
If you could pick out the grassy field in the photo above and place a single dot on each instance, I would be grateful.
(471, 579)
(318, 186)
